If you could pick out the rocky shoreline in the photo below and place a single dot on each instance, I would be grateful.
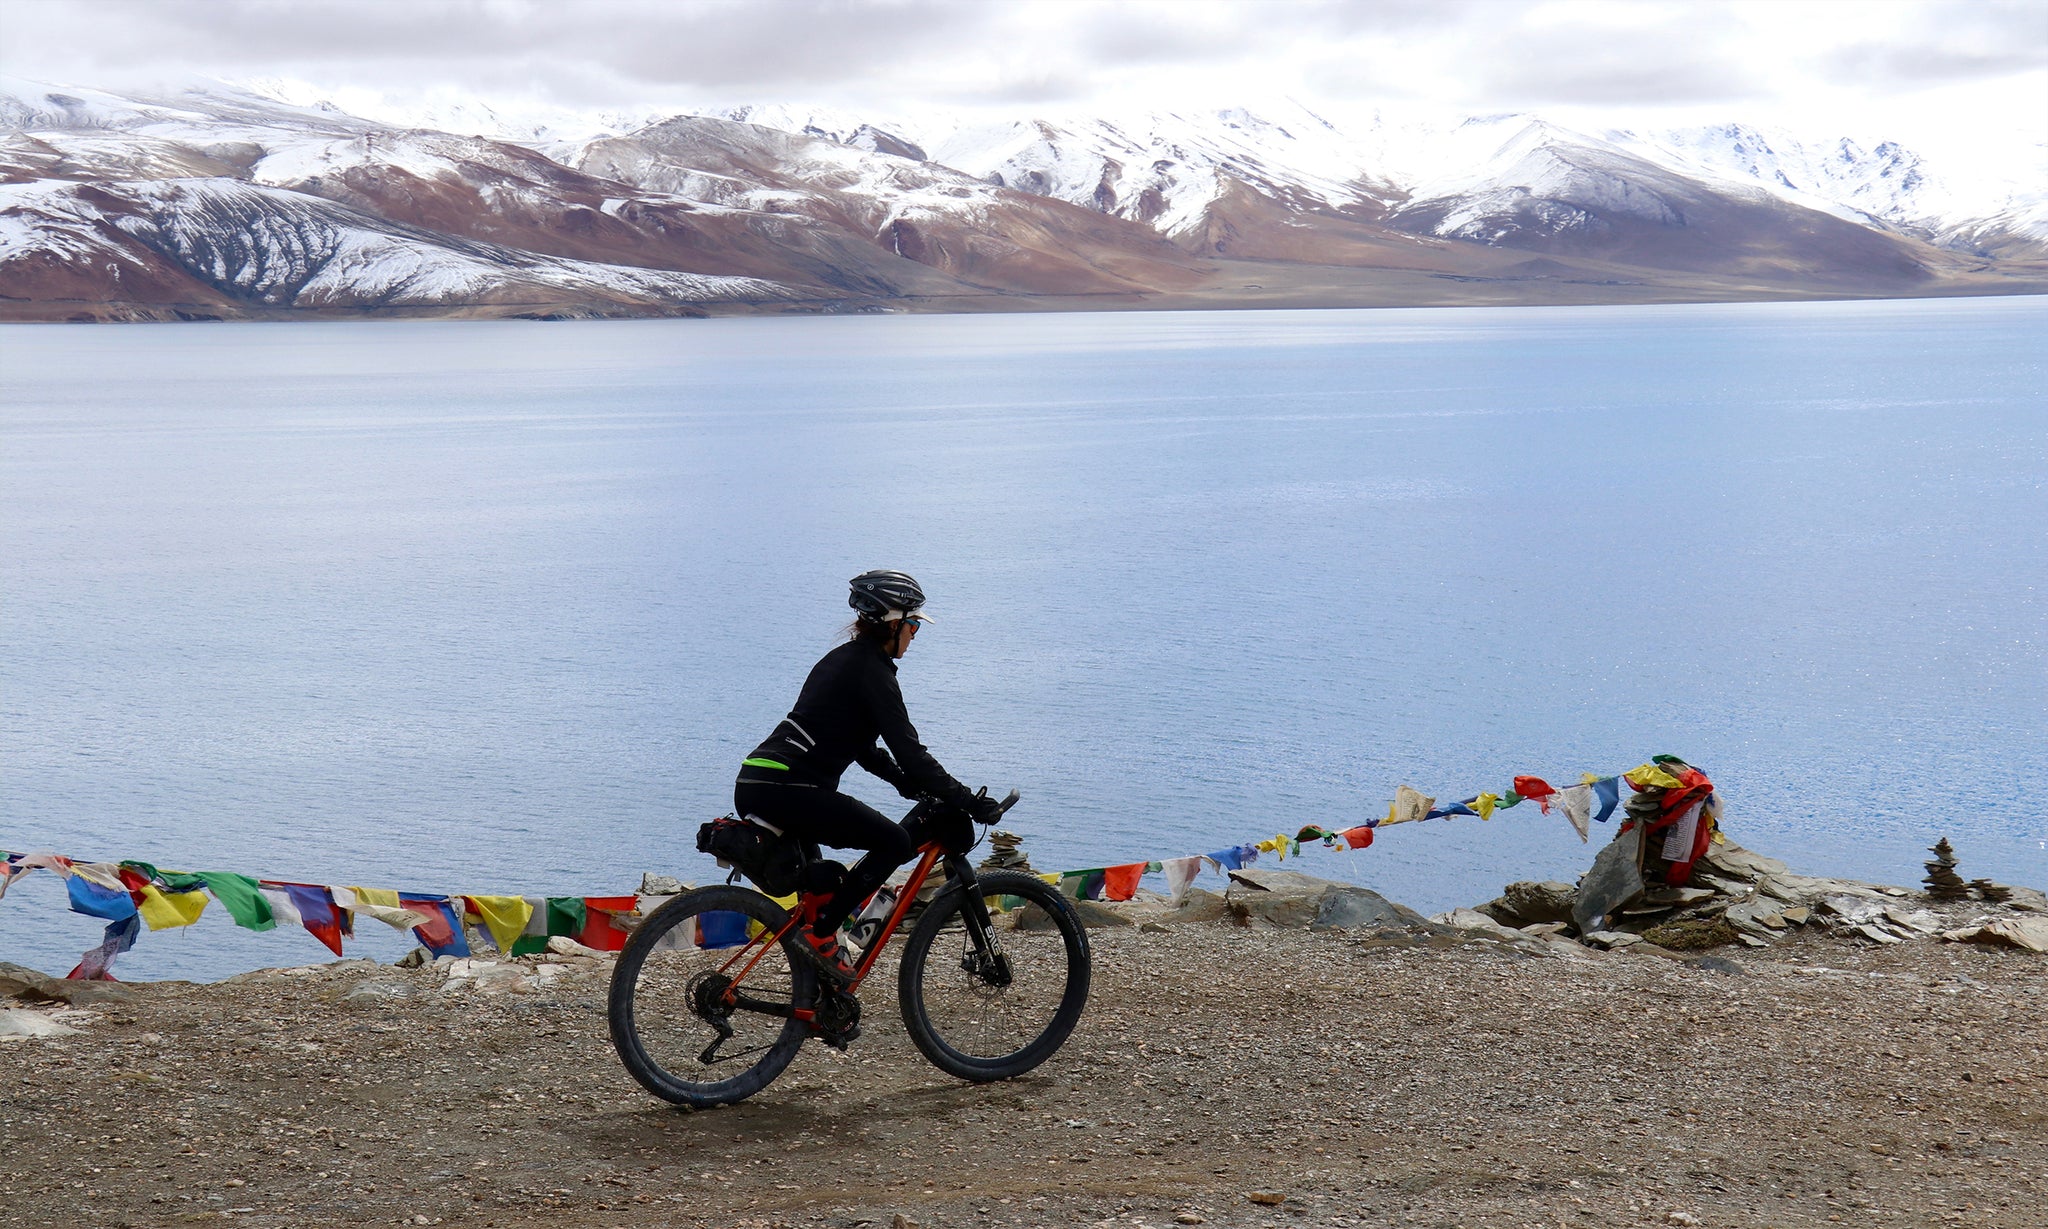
(1781, 1050)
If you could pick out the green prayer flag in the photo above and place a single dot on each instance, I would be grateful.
(1509, 799)
(566, 915)
(563, 915)
(239, 895)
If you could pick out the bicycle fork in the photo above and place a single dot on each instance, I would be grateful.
(984, 957)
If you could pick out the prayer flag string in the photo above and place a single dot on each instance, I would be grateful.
(132, 895)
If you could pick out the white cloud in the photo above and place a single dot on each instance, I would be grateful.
(1951, 72)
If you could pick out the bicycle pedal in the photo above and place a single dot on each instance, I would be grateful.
(841, 1039)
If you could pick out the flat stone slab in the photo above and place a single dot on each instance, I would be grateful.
(2026, 933)
(1290, 899)
(1734, 862)
(1614, 881)
(17, 1023)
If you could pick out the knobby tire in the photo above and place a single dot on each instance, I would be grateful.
(660, 1037)
(966, 1025)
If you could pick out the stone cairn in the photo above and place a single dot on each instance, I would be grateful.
(1006, 853)
(1996, 893)
(1942, 881)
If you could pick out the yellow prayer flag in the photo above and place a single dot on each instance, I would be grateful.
(755, 930)
(379, 903)
(1051, 877)
(1653, 775)
(164, 910)
(1484, 805)
(505, 917)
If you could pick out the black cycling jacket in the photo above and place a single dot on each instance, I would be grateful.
(851, 700)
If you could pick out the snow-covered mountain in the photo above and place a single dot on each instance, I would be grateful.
(236, 201)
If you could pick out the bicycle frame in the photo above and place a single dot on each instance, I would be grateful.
(929, 855)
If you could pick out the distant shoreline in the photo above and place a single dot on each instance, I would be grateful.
(75, 312)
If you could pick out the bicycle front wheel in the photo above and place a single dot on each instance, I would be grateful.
(703, 1000)
(993, 1008)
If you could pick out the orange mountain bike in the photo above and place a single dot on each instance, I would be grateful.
(714, 994)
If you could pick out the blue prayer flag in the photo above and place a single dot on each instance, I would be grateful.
(721, 928)
(1608, 791)
(91, 898)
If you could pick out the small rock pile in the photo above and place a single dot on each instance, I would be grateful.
(1006, 853)
(1942, 881)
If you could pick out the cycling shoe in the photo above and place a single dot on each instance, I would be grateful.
(827, 957)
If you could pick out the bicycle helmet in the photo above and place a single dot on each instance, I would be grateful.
(882, 595)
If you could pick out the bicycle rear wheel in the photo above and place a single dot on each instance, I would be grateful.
(996, 1012)
(691, 1021)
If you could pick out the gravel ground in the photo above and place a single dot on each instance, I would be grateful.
(1348, 1079)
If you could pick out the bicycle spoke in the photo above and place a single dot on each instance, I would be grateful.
(994, 1009)
(703, 1001)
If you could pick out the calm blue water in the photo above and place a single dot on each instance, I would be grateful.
(499, 607)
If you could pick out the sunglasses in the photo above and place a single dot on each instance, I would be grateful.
(914, 622)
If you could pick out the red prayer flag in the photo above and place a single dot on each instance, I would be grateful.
(1357, 838)
(598, 930)
(441, 933)
(1121, 882)
(134, 880)
(318, 913)
(1537, 788)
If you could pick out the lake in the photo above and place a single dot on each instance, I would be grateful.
(498, 607)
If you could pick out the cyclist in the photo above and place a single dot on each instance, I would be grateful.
(851, 711)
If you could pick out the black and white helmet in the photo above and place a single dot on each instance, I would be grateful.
(880, 596)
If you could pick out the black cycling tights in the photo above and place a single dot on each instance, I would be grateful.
(835, 820)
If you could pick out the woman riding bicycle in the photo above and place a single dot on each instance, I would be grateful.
(849, 711)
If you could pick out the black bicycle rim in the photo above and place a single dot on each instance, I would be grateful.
(668, 1001)
(983, 1023)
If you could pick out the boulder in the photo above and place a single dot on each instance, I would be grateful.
(1093, 914)
(1292, 901)
(1472, 919)
(1157, 909)
(1199, 905)
(1691, 934)
(1528, 902)
(30, 986)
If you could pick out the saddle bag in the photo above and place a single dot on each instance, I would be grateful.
(772, 861)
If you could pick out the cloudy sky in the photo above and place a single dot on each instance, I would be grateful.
(1969, 76)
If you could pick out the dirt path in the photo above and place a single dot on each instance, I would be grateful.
(1369, 1081)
